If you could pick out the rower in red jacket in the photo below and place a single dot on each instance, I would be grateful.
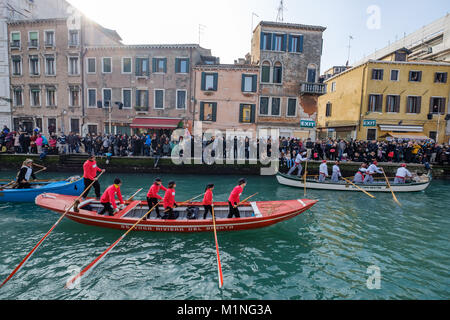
(169, 202)
(91, 169)
(153, 197)
(108, 199)
(208, 200)
(234, 199)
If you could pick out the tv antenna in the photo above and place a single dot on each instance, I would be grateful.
(281, 8)
(350, 38)
(201, 30)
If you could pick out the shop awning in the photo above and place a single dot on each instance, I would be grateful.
(406, 136)
(395, 128)
(155, 123)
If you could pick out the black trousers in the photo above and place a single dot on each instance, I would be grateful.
(25, 185)
(207, 210)
(151, 203)
(170, 215)
(233, 211)
(96, 186)
(107, 208)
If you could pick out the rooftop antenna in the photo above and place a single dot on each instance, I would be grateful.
(253, 15)
(350, 38)
(201, 30)
(280, 15)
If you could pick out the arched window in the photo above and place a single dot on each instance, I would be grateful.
(277, 73)
(265, 72)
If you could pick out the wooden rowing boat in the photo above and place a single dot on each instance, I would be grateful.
(72, 186)
(253, 215)
(419, 184)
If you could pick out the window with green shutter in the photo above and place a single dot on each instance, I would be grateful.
(208, 111)
(159, 65)
(265, 72)
(15, 40)
(264, 106)
(34, 39)
(209, 81)
(247, 113)
(292, 107)
(181, 65)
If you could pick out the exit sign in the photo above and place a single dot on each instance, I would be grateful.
(307, 124)
(370, 123)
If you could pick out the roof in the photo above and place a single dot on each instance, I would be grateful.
(291, 26)
(147, 46)
(227, 66)
(34, 21)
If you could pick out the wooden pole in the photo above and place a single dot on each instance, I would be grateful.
(304, 177)
(359, 188)
(219, 264)
(134, 195)
(392, 191)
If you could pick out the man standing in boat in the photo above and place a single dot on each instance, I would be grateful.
(153, 197)
(91, 169)
(402, 174)
(208, 203)
(108, 199)
(360, 175)
(336, 172)
(373, 168)
(24, 175)
(298, 164)
(169, 202)
(234, 199)
(323, 171)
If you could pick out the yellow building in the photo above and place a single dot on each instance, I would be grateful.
(387, 99)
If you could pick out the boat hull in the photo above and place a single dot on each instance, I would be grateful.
(293, 181)
(71, 188)
(265, 214)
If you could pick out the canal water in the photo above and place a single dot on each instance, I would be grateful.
(346, 247)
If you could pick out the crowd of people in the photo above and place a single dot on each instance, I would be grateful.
(154, 145)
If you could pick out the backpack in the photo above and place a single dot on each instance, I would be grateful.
(192, 213)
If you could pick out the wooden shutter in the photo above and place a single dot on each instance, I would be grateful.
(253, 114)
(165, 65)
(216, 80)
(261, 44)
(138, 66)
(202, 111)
(243, 83)
(419, 104)
(301, 43)
(241, 111)
(290, 43)
(146, 98)
(203, 85)
(214, 112)
(177, 65)
(420, 76)
(254, 83)
(284, 44)
(154, 65)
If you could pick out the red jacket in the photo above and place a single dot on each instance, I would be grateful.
(169, 198)
(235, 194)
(208, 198)
(90, 170)
(109, 196)
(153, 192)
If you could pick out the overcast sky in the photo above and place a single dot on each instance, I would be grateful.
(228, 23)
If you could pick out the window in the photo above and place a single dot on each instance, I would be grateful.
(277, 73)
(328, 111)
(15, 40)
(265, 72)
(159, 65)
(249, 83)
(181, 99)
(142, 99)
(266, 41)
(34, 65)
(92, 98)
(126, 65)
(440, 77)
(18, 97)
(395, 75)
(264, 106)
(142, 67)
(74, 97)
(73, 38)
(278, 42)
(292, 107)
(159, 99)
(34, 39)
(433, 135)
(49, 38)
(39, 123)
(311, 77)
(415, 76)
(208, 111)
(92, 129)
(333, 87)
(126, 98)
(51, 97)
(50, 65)
(107, 65)
(413, 104)
(276, 103)
(91, 65)
(51, 125)
(181, 65)
(16, 65)
(393, 104)
(437, 105)
(107, 97)
(73, 66)
(371, 134)
(375, 103)
(296, 44)
(35, 97)
(75, 125)
(247, 113)
(377, 74)
(209, 81)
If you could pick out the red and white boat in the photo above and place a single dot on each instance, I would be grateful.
(254, 215)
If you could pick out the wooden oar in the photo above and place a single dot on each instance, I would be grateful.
(359, 188)
(40, 170)
(242, 202)
(389, 185)
(134, 195)
(47, 234)
(304, 178)
(6, 186)
(187, 202)
(103, 255)
(219, 264)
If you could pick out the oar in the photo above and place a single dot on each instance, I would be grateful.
(359, 188)
(219, 264)
(304, 178)
(47, 234)
(242, 202)
(392, 191)
(40, 170)
(187, 202)
(103, 255)
(6, 186)
(134, 195)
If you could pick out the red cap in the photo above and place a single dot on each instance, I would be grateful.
(403, 165)
(324, 161)
(375, 162)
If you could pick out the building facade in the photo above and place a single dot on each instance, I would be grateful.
(387, 99)
(289, 56)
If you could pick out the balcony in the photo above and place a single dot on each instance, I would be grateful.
(15, 45)
(313, 88)
(33, 44)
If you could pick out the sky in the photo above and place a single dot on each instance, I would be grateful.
(227, 24)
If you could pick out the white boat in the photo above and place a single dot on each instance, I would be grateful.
(419, 183)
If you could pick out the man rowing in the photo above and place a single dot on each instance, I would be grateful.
(169, 202)
(373, 169)
(336, 172)
(90, 170)
(24, 175)
(361, 174)
(323, 171)
(298, 164)
(402, 174)
(153, 197)
(234, 199)
(108, 199)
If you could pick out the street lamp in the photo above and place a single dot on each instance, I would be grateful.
(110, 109)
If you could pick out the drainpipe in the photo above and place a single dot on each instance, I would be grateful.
(362, 100)
(83, 54)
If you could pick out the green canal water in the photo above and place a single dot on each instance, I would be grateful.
(323, 254)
